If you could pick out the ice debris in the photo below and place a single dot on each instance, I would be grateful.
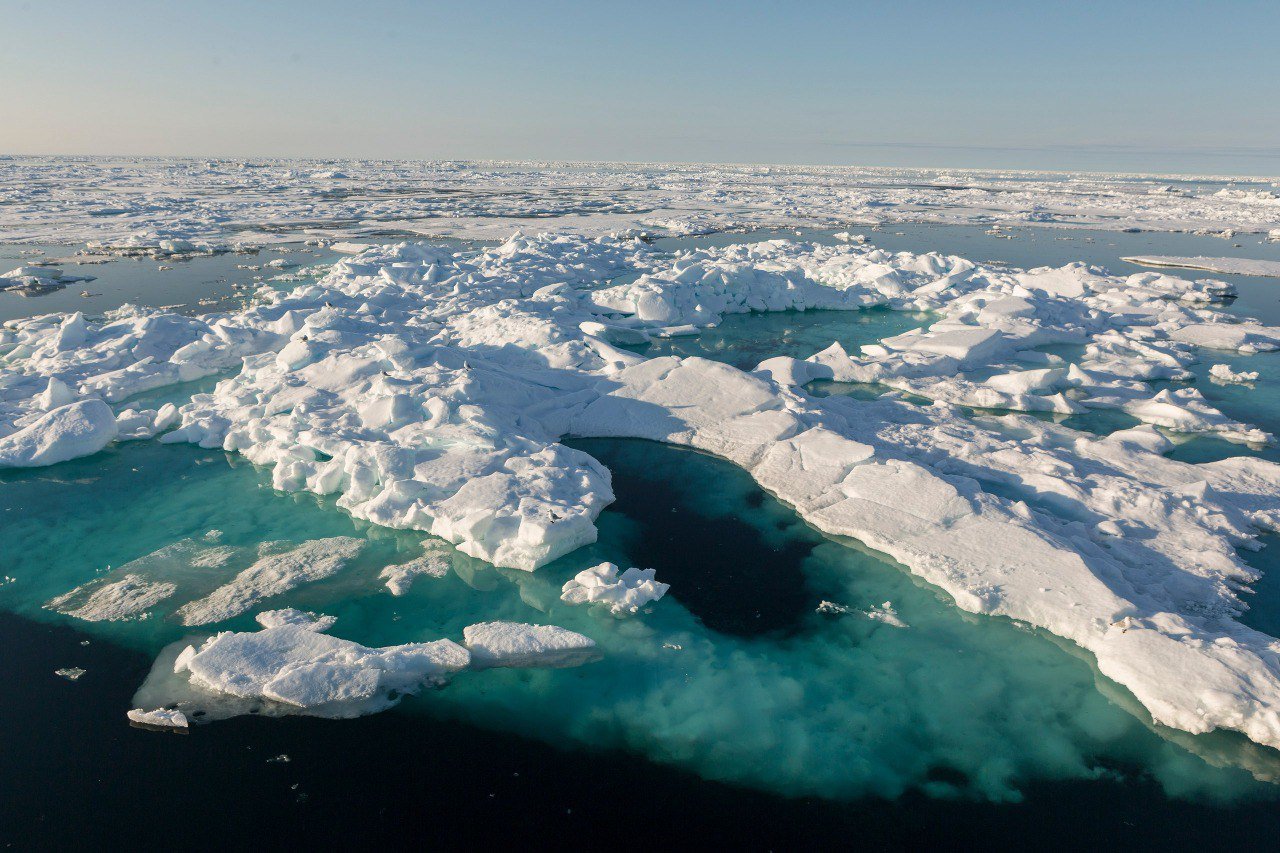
(161, 717)
(433, 563)
(625, 593)
(1224, 375)
(886, 614)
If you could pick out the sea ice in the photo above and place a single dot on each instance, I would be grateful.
(168, 718)
(130, 597)
(1231, 266)
(521, 645)
(1224, 375)
(272, 575)
(297, 665)
(434, 563)
(428, 389)
(67, 432)
(625, 593)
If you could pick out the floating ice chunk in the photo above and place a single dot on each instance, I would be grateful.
(831, 608)
(622, 594)
(1224, 375)
(270, 576)
(300, 667)
(71, 673)
(301, 618)
(886, 614)
(400, 577)
(67, 432)
(1185, 410)
(130, 597)
(520, 645)
(162, 717)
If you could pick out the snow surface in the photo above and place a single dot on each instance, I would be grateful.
(429, 388)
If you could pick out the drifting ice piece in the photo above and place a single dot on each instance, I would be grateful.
(296, 665)
(601, 584)
(173, 719)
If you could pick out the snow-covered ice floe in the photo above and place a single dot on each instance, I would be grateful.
(625, 593)
(429, 389)
(1230, 266)
(291, 666)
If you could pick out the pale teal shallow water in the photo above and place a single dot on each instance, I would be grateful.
(142, 281)
(762, 690)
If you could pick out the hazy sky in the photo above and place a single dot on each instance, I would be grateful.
(1154, 86)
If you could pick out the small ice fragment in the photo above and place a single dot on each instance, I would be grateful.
(830, 608)
(399, 578)
(290, 616)
(1222, 374)
(71, 673)
(602, 585)
(279, 759)
(174, 718)
(886, 614)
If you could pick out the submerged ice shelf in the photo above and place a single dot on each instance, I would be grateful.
(429, 389)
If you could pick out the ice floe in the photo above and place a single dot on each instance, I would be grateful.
(520, 645)
(625, 593)
(1223, 374)
(433, 563)
(160, 718)
(272, 575)
(1232, 266)
(291, 667)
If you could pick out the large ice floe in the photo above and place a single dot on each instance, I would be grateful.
(429, 389)
(291, 666)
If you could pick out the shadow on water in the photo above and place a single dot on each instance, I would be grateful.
(717, 554)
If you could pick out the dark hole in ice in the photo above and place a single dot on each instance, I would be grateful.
(710, 533)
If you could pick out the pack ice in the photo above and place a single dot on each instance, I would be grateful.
(429, 389)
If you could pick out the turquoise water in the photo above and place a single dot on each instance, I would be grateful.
(745, 340)
(734, 676)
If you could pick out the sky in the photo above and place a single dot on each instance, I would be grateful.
(1132, 86)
